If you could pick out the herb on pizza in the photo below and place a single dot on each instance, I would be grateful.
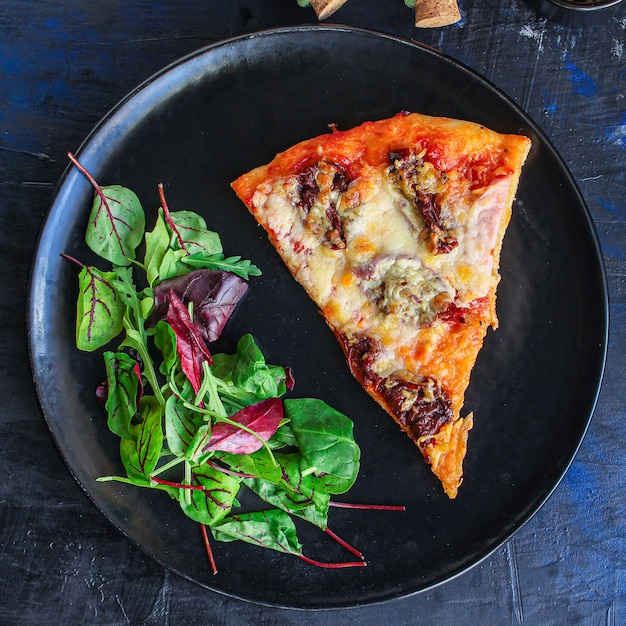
(198, 425)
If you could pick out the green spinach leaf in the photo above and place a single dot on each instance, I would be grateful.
(325, 439)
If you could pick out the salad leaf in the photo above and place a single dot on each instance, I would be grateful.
(193, 235)
(214, 295)
(271, 529)
(219, 420)
(261, 464)
(197, 451)
(214, 501)
(181, 426)
(141, 454)
(246, 370)
(157, 244)
(190, 346)
(294, 493)
(325, 438)
(123, 388)
(233, 264)
(116, 224)
(165, 342)
(247, 429)
(100, 310)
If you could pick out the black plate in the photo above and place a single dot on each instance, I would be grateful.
(203, 121)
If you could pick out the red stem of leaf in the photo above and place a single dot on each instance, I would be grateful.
(169, 483)
(209, 552)
(306, 559)
(67, 257)
(168, 217)
(373, 507)
(343, 543)
(89, 177)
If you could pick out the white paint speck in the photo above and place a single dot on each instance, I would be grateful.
(617, 135)
(532, 33)
(617, 48)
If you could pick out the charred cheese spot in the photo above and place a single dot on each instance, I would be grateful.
(318, 192)
(425, 186)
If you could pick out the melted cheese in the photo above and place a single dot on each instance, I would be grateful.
(385, 281)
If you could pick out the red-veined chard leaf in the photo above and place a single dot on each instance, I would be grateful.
(216, 498)
(263, 418)
(300, 495)
(214, 295)
(196, 238)
(325, 439)
(260, 464)
(272, 529)
(116, 224)
(181, 426)
(100, 309)
(140, 456)
(190, 346)
(123, 387)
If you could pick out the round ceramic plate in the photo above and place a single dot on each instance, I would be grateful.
(214, 115)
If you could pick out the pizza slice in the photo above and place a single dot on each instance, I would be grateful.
(394, 228)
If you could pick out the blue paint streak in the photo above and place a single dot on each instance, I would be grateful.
(612, 251)
(583, 84)
(607, 207)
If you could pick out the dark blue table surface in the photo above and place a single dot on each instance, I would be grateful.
(62, 67)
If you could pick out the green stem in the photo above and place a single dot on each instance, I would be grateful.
(168, 465)
(187, 493)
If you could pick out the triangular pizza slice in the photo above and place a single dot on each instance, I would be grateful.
(394, 228)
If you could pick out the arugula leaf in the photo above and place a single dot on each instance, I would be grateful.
(232, 264)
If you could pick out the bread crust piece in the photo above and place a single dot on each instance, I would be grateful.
(395, 228)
